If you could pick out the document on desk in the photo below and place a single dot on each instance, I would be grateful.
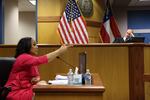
(59, 80)
(61, 77)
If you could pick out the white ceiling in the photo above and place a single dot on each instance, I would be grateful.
(25, 5)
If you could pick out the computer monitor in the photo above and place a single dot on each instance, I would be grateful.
(82, 62)
(118, 40)
(136, 40)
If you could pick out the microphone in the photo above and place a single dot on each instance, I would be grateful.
(65, 62)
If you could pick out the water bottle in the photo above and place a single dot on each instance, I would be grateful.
(77, 78)
(70, 77)
(87, 77)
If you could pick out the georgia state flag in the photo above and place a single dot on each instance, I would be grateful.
(109, 29)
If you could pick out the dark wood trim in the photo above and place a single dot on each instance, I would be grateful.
(97, 45)
(146, 77)
(7, 46)
(136, 73)
(93, 23)
(86, 45)
(48, 19)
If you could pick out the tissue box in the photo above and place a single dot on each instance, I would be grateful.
(77, 79)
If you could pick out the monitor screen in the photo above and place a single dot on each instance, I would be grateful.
(118, 40)
(136, 40)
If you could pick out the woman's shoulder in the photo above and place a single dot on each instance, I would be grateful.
(21, 59)
(25, 56)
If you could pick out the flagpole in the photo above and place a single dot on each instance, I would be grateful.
(61, 42)
(101, 39)
(79, 10)
(71, 11)
(109, 29)
(72, 26)
(81, 13)
(82, 16)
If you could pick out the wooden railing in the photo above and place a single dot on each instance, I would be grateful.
(135, 61)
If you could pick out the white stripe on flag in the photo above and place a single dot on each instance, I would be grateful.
(62, 34)
(108, 30)
(69, 28)
(80, 31)
(67, 34)
(76, 33)
(84, 29)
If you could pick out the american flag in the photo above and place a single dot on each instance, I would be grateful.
(109, 29)
(72, 27)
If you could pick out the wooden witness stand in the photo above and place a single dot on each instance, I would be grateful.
(71, 92)
(134, 57)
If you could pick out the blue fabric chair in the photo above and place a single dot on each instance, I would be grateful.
(6, 64)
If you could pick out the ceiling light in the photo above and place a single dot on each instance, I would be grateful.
(33, 2)
(144, 0)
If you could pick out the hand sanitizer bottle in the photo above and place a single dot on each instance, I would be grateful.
(77, 78)
(88, 78)
(70, 77)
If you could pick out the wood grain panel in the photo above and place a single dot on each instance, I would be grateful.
(50, 19)
(110, 61)
(136, 73)
(147, 71)
(86, 92)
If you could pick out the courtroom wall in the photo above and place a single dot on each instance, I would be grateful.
(27, 24)
(11, 22)
(49, 13)
(120, 14)
(17, 24)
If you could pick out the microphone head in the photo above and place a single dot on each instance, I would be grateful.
(57, 57)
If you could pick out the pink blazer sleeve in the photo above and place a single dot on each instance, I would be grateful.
(29, 60)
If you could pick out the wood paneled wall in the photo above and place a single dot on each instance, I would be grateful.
(110, 62)
(49, 13)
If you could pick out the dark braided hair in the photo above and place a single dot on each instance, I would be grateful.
(23, 46)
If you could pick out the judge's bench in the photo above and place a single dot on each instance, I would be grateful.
(123, 69)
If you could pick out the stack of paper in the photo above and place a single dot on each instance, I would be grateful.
(59, 80)
(60, 77)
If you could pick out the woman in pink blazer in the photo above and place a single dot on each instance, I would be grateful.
(24, 73)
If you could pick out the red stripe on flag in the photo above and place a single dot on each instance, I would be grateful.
(67, 29)
(83, 27)
(77, 26)
(81, 32)
(71, 29)
(64, 32)
(74, 32)
(109, 29)
(61, 36)
(114, 27)
(104, 35)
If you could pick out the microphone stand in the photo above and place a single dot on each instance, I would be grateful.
(65, 62)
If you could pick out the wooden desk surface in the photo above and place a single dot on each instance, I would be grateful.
(96, 86)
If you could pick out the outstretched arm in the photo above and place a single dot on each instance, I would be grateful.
(56, 53)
